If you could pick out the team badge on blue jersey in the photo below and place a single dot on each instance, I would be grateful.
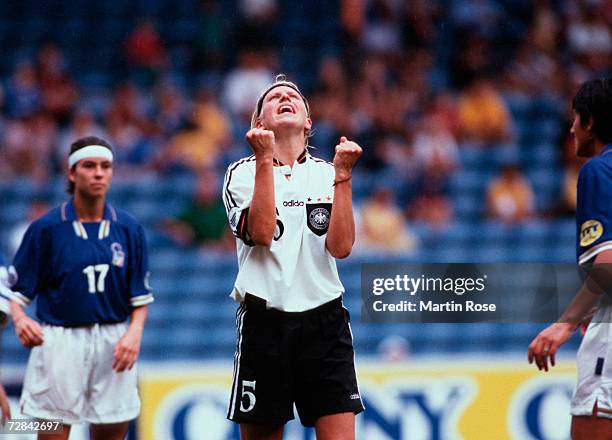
(319, 215)
(590, 231)
(118, 255)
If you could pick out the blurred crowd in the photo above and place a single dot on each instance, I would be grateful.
(413, 81)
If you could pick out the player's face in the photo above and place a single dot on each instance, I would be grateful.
(583, 139)
(92, 176)
(284, 107)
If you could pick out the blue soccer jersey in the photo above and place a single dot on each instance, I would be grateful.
(83, 273)
(594, 208)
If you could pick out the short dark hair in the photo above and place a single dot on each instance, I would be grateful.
(82, 143)
(594, 100)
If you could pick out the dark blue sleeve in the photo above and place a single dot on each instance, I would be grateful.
(32, 264)
(594, 210)
(140, 292)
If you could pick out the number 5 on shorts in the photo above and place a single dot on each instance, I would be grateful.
(247, 387)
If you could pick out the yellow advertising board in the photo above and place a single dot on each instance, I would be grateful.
(445, 399)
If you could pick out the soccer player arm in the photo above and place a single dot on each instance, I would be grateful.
(341, 232)
(261, 221)
(31, 272)
(599, 280)
(126, 351)
(239, 187)
(128, 348)
(29, 332)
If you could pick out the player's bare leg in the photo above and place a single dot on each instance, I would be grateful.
(110, 431)
(59, 436)
(250, 431)
(336, 427)
(591, 427)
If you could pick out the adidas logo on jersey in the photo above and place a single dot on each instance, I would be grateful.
(292, 203)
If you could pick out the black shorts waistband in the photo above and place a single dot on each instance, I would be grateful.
(256, 303)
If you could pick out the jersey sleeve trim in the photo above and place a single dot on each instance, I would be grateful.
(142, 300)
(230, 202)
(243, 225)
(586, 256)
(5, 293)
(22, 300)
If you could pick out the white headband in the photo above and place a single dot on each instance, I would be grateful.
(90, 151)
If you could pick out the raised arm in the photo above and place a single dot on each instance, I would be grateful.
(341, 232)
(261, 221)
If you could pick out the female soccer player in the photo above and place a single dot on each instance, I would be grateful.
(5, 297)
(292, 216)
(86, 263)
(591, 406)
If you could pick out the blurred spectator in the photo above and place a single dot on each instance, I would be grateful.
(130, 132)
(546, 26)
(394, 348)
(134, 152)
(483, 115)
(392, 154)
(37, 209)
(352, 17)
(590, 38)
(382, 227)
(382, 32)
(569, 191)
(246, 81)
(211, 118)
(29, 144)
(434, 147)
(83, 124)
(419, 30)
(510, 197)
(203, 222)
(533, 71)
(58, 90)
(171, 111)
(432, 207)
(262, 12)
(483, 16)
(22, 91)
(211, 43)
(128, 108)
(472, 58)
(197, 146)
(588, 32)
(328, 102)
(145, 51)
(566, 203)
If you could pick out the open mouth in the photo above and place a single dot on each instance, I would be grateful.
(286, 108)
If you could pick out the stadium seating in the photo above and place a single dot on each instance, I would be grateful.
(193, 318)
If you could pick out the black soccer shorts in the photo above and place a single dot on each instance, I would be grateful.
(283, 358)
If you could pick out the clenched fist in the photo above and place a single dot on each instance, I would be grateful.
(347, 153)
(261, 141)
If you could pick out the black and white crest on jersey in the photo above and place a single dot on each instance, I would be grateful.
(319, 215)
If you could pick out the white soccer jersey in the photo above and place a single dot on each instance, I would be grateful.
(296, 272)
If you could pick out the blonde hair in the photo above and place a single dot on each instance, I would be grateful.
(280, 80)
